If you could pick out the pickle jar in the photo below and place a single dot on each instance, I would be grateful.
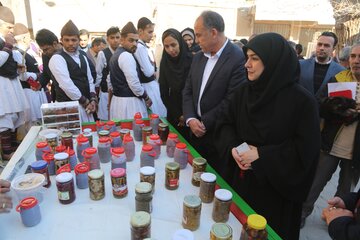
(52, 140)
(147, 174)
(221, 231)
(140, 225)
(199, 166)
(143, 198)
(221, 207)
(191, 212)
(146, 132)
(254, 228)
(163, 132)
(89, 135)
(172, 171)
(207, 187)
(65, 188)
(118, 181)
(61, 159)
(96, 184)
(67, 140)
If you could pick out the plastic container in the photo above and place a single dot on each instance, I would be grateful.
(81, 175)
(91, 156)
(103, 147)
(30, 211)
(154, 123)
(136, 117)
(89, 135)
(116, 140)
(41, 148)
(181, 155)
(139, 124)
(207, 187)
(99, 126)
(147, 156)
(129, 147)
(29, 185)
(222, 204)
(82, 144)
(49, 158)
(118, 181)
(171, 142)
(72, 158)
(60, 148)
(155, 142)
(44, 132)
(118, 158)
(111, 125)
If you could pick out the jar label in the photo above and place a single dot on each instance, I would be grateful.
(173, 182)
(119, 189)
(63, 195)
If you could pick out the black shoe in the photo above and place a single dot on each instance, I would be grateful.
(302, 223)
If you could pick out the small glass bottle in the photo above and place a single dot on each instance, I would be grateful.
(67, 140)
(118, 158)
(41, 148)
(96, 184)
(146, 132)
(118, 180)
(163, 131)
(143, 198)
(222, 204)
(61, 159)
(220, 231)
(65, 188)
(103, 147)
(129, 146)
(41, 167)
(81, 175)
(199, 166)
(207, 187)
(172, 171)
(140, 225)
(116, 140)
(147, 156)
(171, 142)
(52, 140)
(191, 212)
(254, 228)
(147, 174)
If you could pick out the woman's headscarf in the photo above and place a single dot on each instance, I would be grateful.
(190, 32)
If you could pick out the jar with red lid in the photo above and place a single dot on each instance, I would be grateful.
(81, 175)
(91, 156)
(181, 155)
(65, 168)
(123, 132)
(60, 159)
(154, 123)
(41, 167)
(104, 146)
(111, 125)
(67, 140)
(60, 148)
(116, 140)
(99, 126)
(65, 188)
(29, 211)
(147, 156)
(171, 142)
(41, 148)
(82, 144)
(136, 117)
(139, 124)
(72, 158)
(155, 142)
(129, 147)
(118, 181)
(49, 158)
(118, 158)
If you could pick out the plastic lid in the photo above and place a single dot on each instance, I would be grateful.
(115, 134)
(221, 230)
(90, 150)
(64, 168)
(192, 201)
(48, 157)
(66, 135)
(147, 148)
(37, 165)
(181, 145)
(256, 221)
(82, 140)
(81, 168)
(63, 177)
(172, 165)
(154, 137)
(51, 135)
(99, 123)
(140, 219)
(208, 177)
(110, 123)
(104, 139)
(163, 125)
(153, 115)
(139, 121)
(137, 115)
(147, 170)
(87, 130)
(71, 152)
(61, 155)
(118, 172)
(28, 202)
(41, 144)
(60, 148)
(117, 150)
(199, 161)
(223, 194)
(172, 135)
(183, 234)
(96, 173)
(143, 187)
(128, 138)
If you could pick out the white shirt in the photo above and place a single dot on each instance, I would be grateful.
(142, 55)
(58, 68)
(100, 65)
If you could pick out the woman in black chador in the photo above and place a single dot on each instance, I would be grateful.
(278, 119)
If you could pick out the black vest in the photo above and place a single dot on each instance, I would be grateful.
(78, 76)
(105, 71)
(117, 77)
(9, 68)
(31, 66)
(142, 77)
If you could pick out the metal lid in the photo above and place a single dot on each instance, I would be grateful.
(61, 156)
(143, 187)
(221, 230)
(192, 201)
(223, 194)
(66, 135)
(163, 125)
(147, 129)
(96, 173)
(63, 177)
(147, 170)
(140, 219)
(172, 165)
(208, 177)
(199, 161)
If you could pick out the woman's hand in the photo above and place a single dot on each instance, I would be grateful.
(245, 159)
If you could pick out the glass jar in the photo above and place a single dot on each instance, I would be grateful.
(139, 124)
(65, 188)
(155, 142)
(143, 198)
(129, 147)
(222, 203)
(254, 228)
(147, 174)
(104, 133)
(118, 158)
(154, 123)
(172, 170)
(96, 184)
(82, 144)
(199, 166)
(61, 159)
(123, 132)
(49, 158)
(81, 175)
(116, 140)
(181, 155)
(163, 131)
(91, 156)
(41, 167)
(171, 142)
(140, 225)
(146, 132)
(104, 146)
(207, 187)
(220, 231)
(66, 140)
(191, 212)
(52, 140)
(118, 180)
(147, 156)
(41, 148)
(89, 135)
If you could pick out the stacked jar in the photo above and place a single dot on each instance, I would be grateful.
(147, 174)
(199, 166)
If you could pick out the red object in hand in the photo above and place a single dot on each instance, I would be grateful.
(343, 93)
(33, 83)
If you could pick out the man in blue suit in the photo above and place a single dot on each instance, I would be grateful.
(215, 72)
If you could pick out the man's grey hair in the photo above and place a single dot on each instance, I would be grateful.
(212, 19)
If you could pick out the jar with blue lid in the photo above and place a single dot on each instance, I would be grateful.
(41, 167)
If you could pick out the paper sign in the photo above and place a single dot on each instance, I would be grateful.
(340, 87)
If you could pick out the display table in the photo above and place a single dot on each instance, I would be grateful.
(109, 218)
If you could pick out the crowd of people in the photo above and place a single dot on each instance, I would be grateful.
(260, 92)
